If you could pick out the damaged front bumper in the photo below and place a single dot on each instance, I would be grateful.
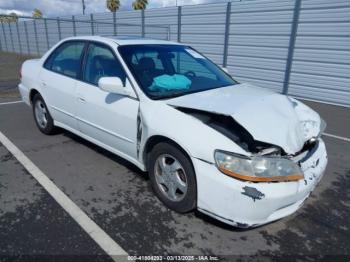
(247, 204)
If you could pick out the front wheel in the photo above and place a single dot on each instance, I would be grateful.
(172, 177)
(42, 116)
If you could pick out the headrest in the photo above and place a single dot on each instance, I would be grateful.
(146, 63)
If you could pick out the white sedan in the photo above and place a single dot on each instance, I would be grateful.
(241, 154)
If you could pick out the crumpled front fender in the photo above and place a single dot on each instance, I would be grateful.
(197, 139)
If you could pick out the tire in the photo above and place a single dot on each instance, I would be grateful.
(42, 116)
(169, 168)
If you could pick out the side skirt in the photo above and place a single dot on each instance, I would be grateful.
(98, 143)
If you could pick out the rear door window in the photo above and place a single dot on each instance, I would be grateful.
(66, 59)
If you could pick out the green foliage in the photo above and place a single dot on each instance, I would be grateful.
(113, 5)
(37, 13)
(140, 4)
(11, 18)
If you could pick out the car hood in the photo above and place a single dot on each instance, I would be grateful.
(269, 117)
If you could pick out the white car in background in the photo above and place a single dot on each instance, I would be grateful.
(239, 153)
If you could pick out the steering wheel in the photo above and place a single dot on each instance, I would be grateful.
(190, 73)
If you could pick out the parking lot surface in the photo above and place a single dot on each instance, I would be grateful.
(118, 197)
(31, 222)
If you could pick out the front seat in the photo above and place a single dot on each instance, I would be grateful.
(147, 70)
(94, 70)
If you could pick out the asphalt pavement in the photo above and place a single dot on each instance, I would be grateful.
(32, 224)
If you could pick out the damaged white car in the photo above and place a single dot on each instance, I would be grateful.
(239, 153)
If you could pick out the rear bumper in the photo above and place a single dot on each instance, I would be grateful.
(246, 204)
(24, 91)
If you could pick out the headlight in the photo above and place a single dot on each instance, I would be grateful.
(257, 168)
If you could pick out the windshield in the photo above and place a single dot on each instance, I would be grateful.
(165, 71)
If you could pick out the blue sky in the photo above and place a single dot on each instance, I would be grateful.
(53, 8)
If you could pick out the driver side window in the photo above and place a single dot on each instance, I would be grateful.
(100, 62)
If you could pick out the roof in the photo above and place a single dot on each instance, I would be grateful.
(126, 40)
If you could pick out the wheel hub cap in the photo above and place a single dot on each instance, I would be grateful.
(40, 114)
(171, 177)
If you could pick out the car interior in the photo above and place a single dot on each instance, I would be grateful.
(101, 65)
(68, 67)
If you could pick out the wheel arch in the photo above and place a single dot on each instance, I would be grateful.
(156, 139)
(32, 93)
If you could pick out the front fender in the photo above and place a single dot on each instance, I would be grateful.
(196, 138)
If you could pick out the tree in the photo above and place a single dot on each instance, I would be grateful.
(139, 4)
(11, 18)
(113, 5)
(4, 19)
(37, 13)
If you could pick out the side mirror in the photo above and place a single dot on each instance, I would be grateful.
(113, 85)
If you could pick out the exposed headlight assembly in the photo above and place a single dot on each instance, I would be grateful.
(257, 168)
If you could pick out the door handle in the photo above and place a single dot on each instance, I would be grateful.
(82, 100)
(43, 84)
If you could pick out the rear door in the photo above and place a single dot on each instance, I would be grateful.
(58, 80)
(108, 118)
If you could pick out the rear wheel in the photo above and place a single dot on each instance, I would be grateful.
(42, 116)
(172, 177)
